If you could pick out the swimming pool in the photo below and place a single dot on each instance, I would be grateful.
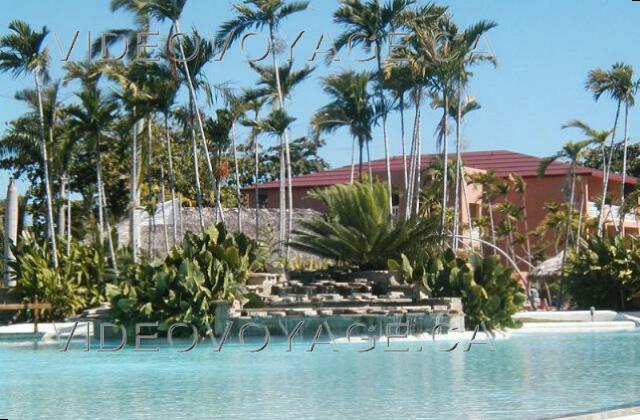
(529, 376)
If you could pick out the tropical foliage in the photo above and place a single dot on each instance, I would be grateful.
(358, 231)
(489, 293)
(605, 273)
(186, 286)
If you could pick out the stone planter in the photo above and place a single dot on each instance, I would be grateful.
(380, 280)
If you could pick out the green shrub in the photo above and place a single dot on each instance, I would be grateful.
(78, 284)
(489, 293)
(187, 284)
(357, 229)
(604, 273)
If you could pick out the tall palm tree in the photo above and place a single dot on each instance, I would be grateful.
(368, 23)
(255, 104)
(351, 107)
(219, 132)
(574, 152)
(258, 14)
(520, 186)
(22, 52)
(268, 89)
(91, 120)
(165, 89)
(618, 83)
(276, 124)
(398, 81)
(237, 109)
(420, 55)
(597, 138)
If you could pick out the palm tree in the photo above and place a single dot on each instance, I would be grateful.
(165, 89)
(490, 187)
(619, 85)
(219, 131)
(520, 186)
(22, 52)
(276, 124)
(420, 55)
(398, 81)
(255, 104)
(350, 107)
(91, 120)
(237, 109)
(268, 14)
(574, 152)
(368, 24)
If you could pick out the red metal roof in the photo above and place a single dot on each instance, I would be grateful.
(503, 162)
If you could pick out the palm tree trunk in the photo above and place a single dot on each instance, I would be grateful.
(172, 183)
(256, 149)
(45, 167)
(196, 170)
(492, 224)
(164, 217)
(607, 169)
(403, 141)
(456, 203)
(384, 123)
(237, 175)
(104, 219)
(112, 253)
(360, 164)
(369, 164)
(445, 158)
(624, 164)
(62, 210)
(68, 198)
(196, 109)
(418, 164)
(353, 160)
(285, 157)
(567, 232)
(412, 169)
(133, 218)
(150, 194)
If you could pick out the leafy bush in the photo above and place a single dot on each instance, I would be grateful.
(489, 293)
(604, 273)
(79, 283)
(186, 285)
(357, 229)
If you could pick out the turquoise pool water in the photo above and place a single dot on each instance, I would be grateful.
(526, 377)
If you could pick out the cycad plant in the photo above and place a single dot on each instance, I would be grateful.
(358, 231)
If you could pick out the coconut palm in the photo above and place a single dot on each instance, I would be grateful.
(350, 107)
(368, 23)
(21, 53)
(618, 83)
(258, 14)
(91, 119)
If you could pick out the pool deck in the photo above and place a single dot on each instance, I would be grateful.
(626, 412)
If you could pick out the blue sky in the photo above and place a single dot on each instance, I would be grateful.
(544, 51)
